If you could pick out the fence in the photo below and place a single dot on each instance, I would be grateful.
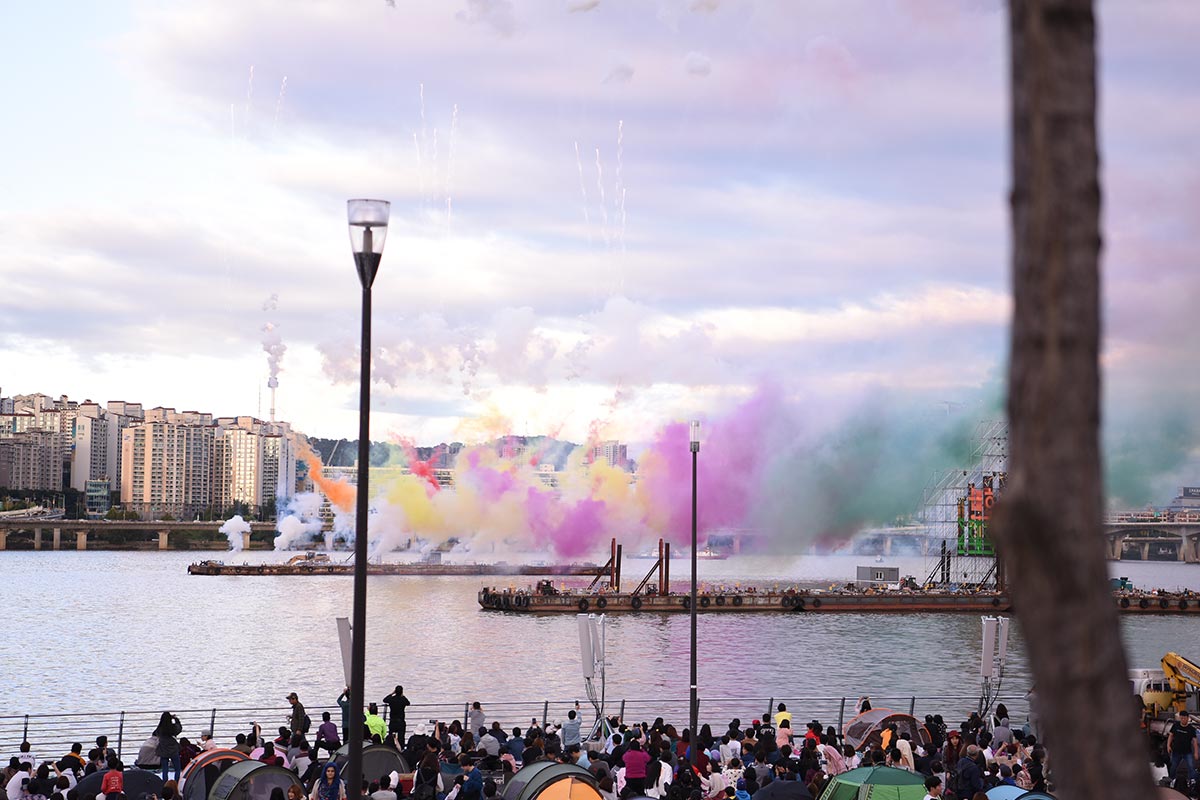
(51, 735)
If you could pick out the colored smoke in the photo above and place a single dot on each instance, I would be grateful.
(233, 528)
(340, 493)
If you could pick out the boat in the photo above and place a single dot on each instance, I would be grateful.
(742, 601)
(319, 566)
(703, 555)
(869, 596)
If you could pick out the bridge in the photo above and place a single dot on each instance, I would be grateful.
(80, 528)
(1154, 536)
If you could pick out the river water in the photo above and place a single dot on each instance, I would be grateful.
(131, 630)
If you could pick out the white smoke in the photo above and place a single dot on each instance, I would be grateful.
(233, 528)
(299, 521)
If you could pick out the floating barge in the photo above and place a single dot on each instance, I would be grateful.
(544, 598)
(745, 602)
(319, 564)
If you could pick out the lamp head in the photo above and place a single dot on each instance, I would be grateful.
(694, 428)
(368, 231)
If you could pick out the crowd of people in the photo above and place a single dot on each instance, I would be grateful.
(774, 758)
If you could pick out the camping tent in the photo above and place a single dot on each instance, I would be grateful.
(137, 783)
(874, 783)
(202, 771)
(377, 760)
(549, 780)
(866, 730)
(1005, 792)
(252, 780)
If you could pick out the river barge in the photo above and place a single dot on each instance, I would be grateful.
(745, 602)
(320, 564)
(906, 597)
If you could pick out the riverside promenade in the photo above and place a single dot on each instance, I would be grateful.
(54, 732)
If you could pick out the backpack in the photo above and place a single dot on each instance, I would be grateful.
(306, 724)
(423, 790)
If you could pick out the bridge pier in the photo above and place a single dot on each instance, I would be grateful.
(57, 539)
(162, 540)
(1116, 546)
(81, 540)
(245, 540)
(3, 540)
(37, 538)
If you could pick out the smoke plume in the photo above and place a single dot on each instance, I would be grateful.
(233, 528)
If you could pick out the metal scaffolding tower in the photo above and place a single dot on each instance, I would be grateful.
(957, 507)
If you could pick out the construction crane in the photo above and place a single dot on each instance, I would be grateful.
(1183, 677)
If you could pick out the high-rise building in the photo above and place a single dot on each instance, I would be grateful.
(167, 463)
(612, 452)
(93, 455)
(31, 460)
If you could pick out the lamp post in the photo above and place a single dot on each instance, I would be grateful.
(368, 231)
(693, 722)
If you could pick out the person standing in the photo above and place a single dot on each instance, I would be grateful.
(1182, 744)
(296, 720)
(169, 727)
(635, 760)
(343, 702)
(570, 729)
(933, 787)
(396, 703)
(476, 719)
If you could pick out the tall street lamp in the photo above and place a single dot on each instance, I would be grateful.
(694, 748)
(368, 231)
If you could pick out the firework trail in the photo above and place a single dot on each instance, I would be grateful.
(619, 185)
(450, 165)
(278, 105)
(249, 96)
(434, 166)
(600, 188)
(420, 166)
(587, 218)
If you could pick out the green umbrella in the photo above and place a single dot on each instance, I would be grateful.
(875, 783)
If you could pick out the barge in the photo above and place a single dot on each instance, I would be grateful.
(319, 564)
(906, 596)
(745, 602)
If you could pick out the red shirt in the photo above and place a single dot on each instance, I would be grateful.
(635, 763)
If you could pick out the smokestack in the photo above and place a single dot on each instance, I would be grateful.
(272, 384)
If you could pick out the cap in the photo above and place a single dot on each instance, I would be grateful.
(206, 733)
(293, 696)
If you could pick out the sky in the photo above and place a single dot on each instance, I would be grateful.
(606, 216)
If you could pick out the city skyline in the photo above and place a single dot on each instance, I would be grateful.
(180, 234)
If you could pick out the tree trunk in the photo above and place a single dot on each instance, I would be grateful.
(1048, 522)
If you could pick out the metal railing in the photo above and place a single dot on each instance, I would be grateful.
(51, 735)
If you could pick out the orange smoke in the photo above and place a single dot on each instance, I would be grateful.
(338, 492)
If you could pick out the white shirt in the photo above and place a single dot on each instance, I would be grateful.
(14, 785)
(384, 794)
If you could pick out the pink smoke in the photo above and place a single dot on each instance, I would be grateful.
(733, 453)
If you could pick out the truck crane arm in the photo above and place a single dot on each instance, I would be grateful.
(1184, 677)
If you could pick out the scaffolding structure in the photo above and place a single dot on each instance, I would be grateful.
(956, 510)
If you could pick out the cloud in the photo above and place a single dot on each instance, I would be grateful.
(621, 72)
(582, 6)
(499, 15)
(697, 64)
